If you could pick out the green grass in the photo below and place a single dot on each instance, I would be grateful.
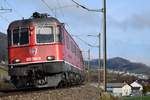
(107, 96)
(2, 70)
(137, 98)
(6, 85)
(3, 74)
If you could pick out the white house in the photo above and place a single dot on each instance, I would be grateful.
(137, 88)
(126, 90)
(119, 89)
(136, 84)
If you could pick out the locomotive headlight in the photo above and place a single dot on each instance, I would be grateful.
(50, 58)
(17, 61)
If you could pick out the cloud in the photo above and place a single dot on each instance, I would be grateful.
(135, 21)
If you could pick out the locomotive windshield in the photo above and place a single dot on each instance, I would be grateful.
(45, 34)
(19, 36)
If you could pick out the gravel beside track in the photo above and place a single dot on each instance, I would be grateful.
(74, 93)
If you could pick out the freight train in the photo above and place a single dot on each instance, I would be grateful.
(42, 53)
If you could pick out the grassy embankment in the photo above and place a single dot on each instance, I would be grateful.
(3, 76)
(137, 98)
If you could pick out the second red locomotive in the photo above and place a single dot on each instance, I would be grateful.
(42, 53)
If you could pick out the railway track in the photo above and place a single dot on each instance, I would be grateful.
(11, 92)
(81, 92)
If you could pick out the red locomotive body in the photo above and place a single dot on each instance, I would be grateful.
(42, 53)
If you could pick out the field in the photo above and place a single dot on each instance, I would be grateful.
(137, 98)
(3, 73)
(3, 77)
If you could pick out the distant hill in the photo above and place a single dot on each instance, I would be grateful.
(122, 64)
(3, 46)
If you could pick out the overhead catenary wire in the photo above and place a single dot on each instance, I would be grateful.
(13, 9)
(60, 8)
(93, 10)
(4, 18)
(5, 10)
(87, 9)
(45, 3)
(65, 6)
(84, 41)
(89, 35)
(61, 11)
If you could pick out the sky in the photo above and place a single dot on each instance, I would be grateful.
(128, 23)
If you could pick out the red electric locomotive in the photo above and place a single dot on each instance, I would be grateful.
(42, 53)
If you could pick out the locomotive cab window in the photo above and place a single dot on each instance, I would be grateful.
(45, 34)
(24, 36)
(16, 37)
(20, 36)
(58, 37)
(9, 37)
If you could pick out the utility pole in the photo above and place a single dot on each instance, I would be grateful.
(99, 73)
(88, 65)
(103, 10)
(104, 45)
(99, 61)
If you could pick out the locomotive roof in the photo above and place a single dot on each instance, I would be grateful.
(33, 21)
